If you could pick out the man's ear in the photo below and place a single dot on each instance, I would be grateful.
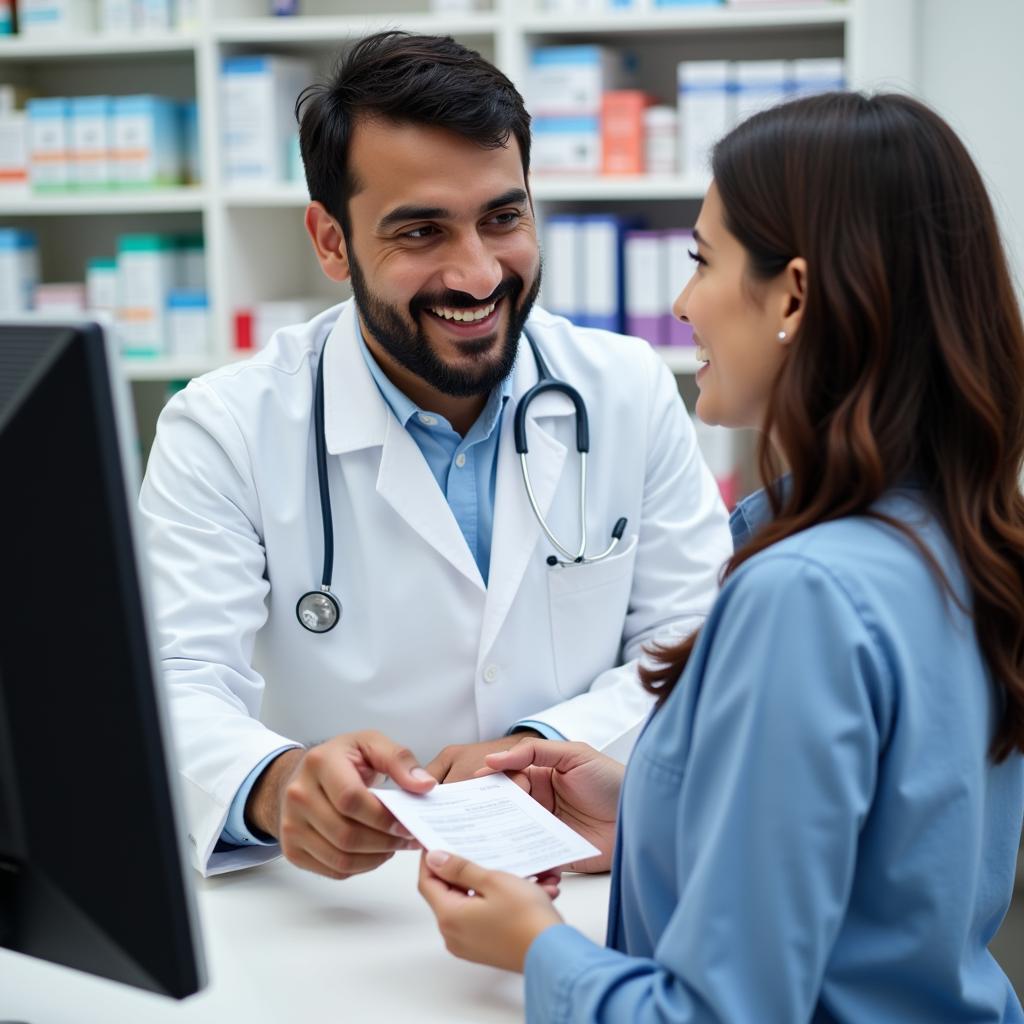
(328, 242)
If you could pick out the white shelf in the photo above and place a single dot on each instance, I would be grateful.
(614, 187)
(680, 359)
(696, 19)
(91, 45)
(175, 368)
(287, 194)
(169, 200)
(332, 32)
(255, 245)
(544, 188)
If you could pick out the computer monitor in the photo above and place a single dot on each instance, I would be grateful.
(92, 869)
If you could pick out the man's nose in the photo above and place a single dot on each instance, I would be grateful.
(471, 267)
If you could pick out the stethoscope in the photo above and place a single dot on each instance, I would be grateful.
(319, 610)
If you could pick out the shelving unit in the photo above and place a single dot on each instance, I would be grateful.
(255, 242)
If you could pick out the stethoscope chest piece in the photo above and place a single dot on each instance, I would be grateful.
(318, 611)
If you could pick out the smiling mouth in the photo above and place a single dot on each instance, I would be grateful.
(465, 316)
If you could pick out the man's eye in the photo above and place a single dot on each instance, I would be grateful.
(509, 217)
(424, 232)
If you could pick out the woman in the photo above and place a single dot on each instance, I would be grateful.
(820, 820)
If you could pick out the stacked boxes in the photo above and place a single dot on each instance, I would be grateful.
(704, 110)
(258, 102)
(13, 139)
(584, 122)
(565, 91)
(91, 142)
(716, 95)
(147, 149)
(146, 266)
(39, 18)
(49, 144)
(100, 142)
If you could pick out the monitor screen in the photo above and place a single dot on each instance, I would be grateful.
(91, 867)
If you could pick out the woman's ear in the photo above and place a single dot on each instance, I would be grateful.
(328, 242)
(793, 298)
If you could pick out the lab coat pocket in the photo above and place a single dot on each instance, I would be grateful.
(588, 611)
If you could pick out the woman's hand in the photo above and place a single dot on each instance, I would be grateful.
(575, 783)
(489, 917)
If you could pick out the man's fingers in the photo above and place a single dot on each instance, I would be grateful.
(459, 872)
(397, 762)
(341, 862)
(438, 768)
(349, 797)
(347, 834)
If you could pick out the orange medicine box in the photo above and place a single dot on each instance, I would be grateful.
(622, 131)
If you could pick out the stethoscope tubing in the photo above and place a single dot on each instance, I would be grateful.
(546, 382)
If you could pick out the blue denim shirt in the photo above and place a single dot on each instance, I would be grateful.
(811, 828)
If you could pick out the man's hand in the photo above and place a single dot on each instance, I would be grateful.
(462, 760)
(318, 805)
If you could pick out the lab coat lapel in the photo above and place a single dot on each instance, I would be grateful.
(516, 530)
(357, 417)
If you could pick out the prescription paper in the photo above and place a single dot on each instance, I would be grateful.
(490, 821)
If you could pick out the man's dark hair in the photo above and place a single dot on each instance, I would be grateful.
(422, 80)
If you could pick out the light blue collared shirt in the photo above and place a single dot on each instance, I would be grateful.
(811, 827)
(466, 470)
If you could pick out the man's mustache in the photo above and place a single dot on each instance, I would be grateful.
(463, 300)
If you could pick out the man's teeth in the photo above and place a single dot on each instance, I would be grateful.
(463, 314)
(702, 354)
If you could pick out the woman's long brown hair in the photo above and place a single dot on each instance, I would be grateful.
(909, 360)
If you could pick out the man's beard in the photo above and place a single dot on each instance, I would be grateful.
(410, 347)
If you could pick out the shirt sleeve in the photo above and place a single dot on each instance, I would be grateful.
(236, 832)
(777, 743)
(530, 723)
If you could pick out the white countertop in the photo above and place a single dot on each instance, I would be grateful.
(285, 945)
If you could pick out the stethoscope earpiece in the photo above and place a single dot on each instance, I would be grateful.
(547, 382)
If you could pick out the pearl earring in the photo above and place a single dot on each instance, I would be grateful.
(781, 335)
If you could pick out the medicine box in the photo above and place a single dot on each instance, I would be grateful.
(569, 81)
(48, 144)
(56, 17)
(146, 150)
(19, 270)
(14, 152)
(566, 145)
(705, 112)
(259, 94)
(91, 141)
(146, 272)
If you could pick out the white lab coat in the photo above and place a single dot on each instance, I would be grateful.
(424, 652)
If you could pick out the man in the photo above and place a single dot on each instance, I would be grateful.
(460, 627)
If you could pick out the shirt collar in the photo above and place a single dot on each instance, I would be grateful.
(752, 513)
(405, 408)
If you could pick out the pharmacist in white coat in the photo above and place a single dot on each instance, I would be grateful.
(455, 630)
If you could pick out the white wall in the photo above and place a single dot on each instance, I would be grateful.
(970, 67)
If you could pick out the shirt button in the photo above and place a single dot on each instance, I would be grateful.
(460, 459)
(490, 673)
(428, 421)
